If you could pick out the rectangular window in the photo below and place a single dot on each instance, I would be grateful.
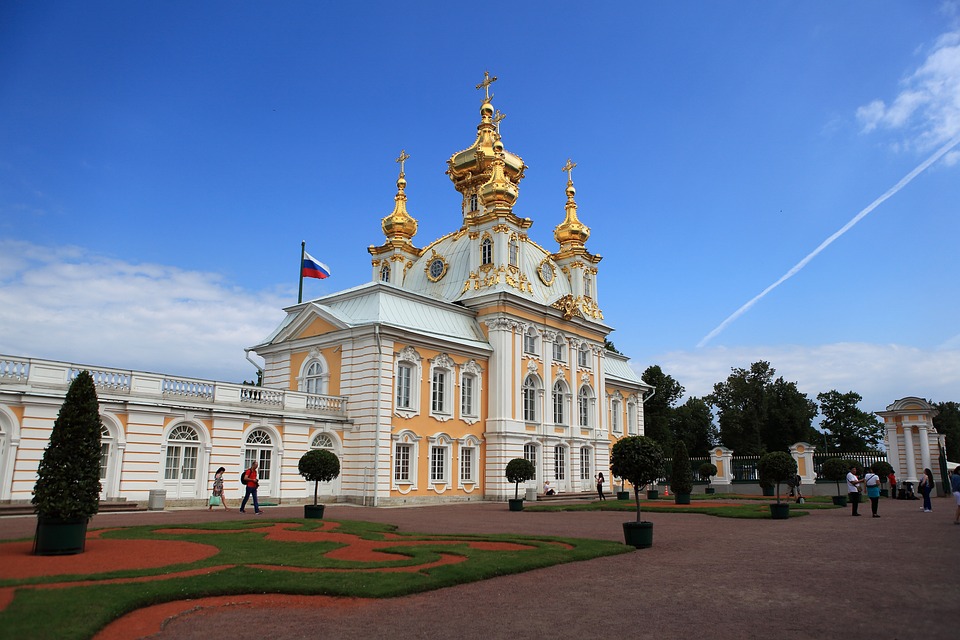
(529, 343)
(403, 386)
(584, 407)
(172, 467)
(529, 404)
(558, 406)
(582, 360)
(559, 463)
(263, 468)
(585, 463)
(104, 459)
(438, 464)
(466, 396)
(439, 385)
(401, 463)
(615, 416)
(558, 354)
(530, 454)
(466, 464)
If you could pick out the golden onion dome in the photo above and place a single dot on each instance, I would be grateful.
(473, 166)
(571, 232)
(498, 192)
(400, 224)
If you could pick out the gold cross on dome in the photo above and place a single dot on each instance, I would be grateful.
(487, 81)
(497, 117)
(403, 158)
(569, 169)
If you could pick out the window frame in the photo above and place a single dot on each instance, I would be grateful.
(530, 455)
(560, 394)
(442, 370)
(409, 358)
(529, 396)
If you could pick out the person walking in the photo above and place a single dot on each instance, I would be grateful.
(853, 490)
(926, 486)
(216, 497)
(600, 482)
(251, 483)
(955, 488)
(872, 480)
(892, 478)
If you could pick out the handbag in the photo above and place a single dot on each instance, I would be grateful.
(214, 501)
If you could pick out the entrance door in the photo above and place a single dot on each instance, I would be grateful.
(259, 447)
(181, 462)
(325, 489)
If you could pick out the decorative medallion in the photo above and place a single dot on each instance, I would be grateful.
(436, 268)
(546, 272)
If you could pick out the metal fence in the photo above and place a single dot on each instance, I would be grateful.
(864, 459)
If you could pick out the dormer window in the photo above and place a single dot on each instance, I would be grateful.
(385, 273)
(486, 251)
(514, 253)
(473, 202)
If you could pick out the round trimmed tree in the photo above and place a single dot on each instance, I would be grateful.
(519, 470)
(319, 465)
(707, 470)
(639, 460)
(836, 469)
(777, 467)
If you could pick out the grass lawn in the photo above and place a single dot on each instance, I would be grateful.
(64, 610)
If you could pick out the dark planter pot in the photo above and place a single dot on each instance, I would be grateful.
(313, 511)
(780, 511)
(638, 534)
(56, 537)
(681, 498)
(653, 494)
(711, 490)
(516, 504)
(769, 491)
(840, 501)
(623, 495)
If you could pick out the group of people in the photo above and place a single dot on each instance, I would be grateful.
(250, 482)
(548, 489)
(871, 481)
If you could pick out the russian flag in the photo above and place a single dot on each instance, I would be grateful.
(313, 268)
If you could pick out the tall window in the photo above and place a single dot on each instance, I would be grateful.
(585, 458)
(530, 455)
(587, 285)
(105, 440)
(385, 273)
(259, 448)
(466, 464)
(615, 415)
(439, 391)
(401, 463)
(313, 378)
(182, 453)
(530, 399)
(583, 357)
(486, 251)
(467, 391)
(631, 417)
(514, 252)
(438, 464)
(473, 202)
(530, 341)
(583, 406)
(559, 353)
(404, 374)
(559, 391)
(559, 462)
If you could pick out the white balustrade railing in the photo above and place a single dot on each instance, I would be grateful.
(188, 388)
(259, 395)
(14, 369)
(103, 378)
(327, 404)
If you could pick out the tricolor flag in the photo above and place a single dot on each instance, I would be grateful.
(313, 268)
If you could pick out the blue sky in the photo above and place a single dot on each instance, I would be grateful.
(160, 163)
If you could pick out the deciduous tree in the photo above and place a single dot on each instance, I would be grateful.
(658, 410)
(948, 422)
(850, 428)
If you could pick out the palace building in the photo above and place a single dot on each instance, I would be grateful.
(457, 356)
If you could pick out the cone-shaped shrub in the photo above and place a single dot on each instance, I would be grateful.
(68, 478)
(682, 474)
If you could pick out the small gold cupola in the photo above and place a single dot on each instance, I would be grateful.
(400, 224)
(571, 233)
(498, 194)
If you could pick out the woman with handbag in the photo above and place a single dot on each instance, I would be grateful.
(872, 480)
(216, 498)
(926, 486)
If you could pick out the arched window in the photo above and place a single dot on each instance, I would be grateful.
(530, 341)
(615, 415)
(530, 399)
(442, 384)
(486, 251)
(559, 349)
(408, 374)
(323, 441)
(385, 273)
(473, 202)
(559, 400)
(470, 392)
(181, 459)
(314, 379)
(106, 441)
(583, 405)
(587, 285)
(259, 449)
(583, 357)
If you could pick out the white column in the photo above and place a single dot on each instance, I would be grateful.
(722, 458)
(924, 447)
(910, 456)
(893, 447)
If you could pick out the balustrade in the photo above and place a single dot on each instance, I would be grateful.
(14, 369)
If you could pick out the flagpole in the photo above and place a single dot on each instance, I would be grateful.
(303, 251)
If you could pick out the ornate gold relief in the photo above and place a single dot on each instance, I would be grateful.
(436, 267)
(579, 306)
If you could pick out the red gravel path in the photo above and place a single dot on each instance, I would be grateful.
(825, 575)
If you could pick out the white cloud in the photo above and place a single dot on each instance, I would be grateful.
(65, 303)
(928, 106)
(881, 373)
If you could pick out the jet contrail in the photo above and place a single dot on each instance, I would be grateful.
(826, 243)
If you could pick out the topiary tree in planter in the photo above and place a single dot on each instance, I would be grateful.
(682, 474)
(836, 469)
(777, 467)
(883, 469)
(639, 460)
(519, 470)
(316, 466)
(67, 493)
(708, 470)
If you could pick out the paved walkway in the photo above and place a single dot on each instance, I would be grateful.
(825, 575)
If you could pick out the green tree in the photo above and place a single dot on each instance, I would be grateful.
(850, 428)
(692, 423)
(658, 410)
(757, 413)
(68, 478)
(948, 422)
